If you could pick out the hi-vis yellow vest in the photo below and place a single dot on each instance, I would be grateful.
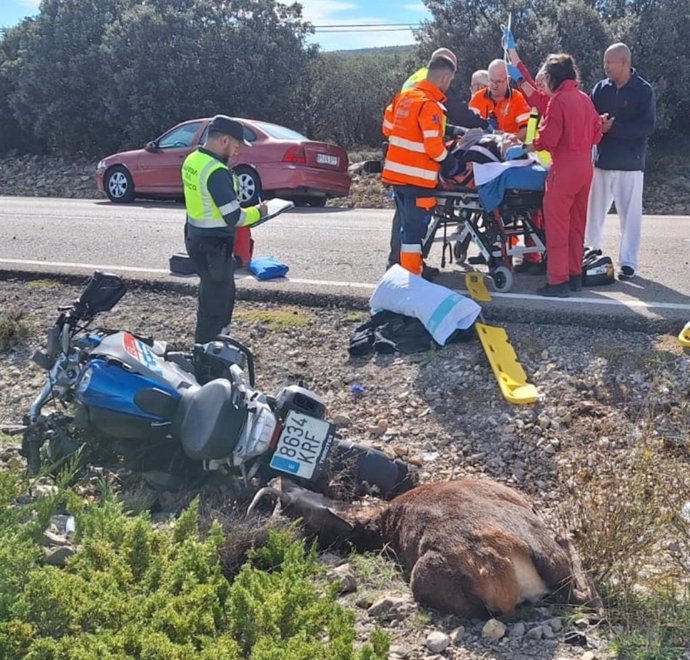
(202, 211)
(417, 76)
(543, 156)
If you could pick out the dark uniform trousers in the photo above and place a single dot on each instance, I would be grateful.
(212, 257)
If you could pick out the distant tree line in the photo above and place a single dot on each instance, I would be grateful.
(94, 76)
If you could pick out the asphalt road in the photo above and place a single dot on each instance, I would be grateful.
(331, 252)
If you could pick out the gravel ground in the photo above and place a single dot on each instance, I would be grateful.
(601, 392)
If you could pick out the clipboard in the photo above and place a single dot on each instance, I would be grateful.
(275, 207)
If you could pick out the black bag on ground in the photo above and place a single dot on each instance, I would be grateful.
(596, 269)
(181, 264)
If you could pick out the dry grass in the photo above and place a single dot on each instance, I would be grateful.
(275, 319)
(13, 327)
(627, 522)
(45, 285)
(367, 191)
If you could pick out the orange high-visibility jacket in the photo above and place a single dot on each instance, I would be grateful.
(408, 85)
(415, 124)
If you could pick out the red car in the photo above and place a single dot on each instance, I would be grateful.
(280, 163)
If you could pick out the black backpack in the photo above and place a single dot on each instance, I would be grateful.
(181, 264)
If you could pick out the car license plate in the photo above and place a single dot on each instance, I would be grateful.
(325, 159)
(303, 445)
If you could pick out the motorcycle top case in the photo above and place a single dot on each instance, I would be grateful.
(597, 271)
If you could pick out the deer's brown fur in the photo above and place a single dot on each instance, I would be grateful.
(469, 547)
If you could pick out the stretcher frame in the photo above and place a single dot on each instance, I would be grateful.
(494, 233)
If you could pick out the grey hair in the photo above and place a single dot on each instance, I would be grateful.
(480, 77)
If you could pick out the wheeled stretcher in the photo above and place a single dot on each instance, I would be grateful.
(496, 233)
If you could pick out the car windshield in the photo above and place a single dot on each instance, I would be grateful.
(280, 132)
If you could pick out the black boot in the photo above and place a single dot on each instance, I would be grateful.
(554, 290)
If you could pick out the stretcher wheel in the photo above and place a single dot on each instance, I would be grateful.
(460, 250)
(503, 278)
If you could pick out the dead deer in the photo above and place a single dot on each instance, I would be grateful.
(470, 547)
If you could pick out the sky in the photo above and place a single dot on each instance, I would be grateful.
(318, 12)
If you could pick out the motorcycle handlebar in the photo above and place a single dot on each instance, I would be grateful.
(247, 353)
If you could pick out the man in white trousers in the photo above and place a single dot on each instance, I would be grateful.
(627, 105)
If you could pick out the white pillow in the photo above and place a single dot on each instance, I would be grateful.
(441, 310)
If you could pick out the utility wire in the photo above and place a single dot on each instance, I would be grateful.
(366, 31)
(353, 25)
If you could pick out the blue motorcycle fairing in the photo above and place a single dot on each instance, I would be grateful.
(110, 387)
(141, 359)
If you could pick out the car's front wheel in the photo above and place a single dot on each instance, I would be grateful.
(250, 185)
(118, 185)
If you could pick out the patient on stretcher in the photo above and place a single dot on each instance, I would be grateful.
(475, 146)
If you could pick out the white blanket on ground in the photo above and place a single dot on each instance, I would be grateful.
(441, 310)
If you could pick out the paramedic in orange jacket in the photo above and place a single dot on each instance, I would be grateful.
(415, 125)
(570, 128)
(508, 106)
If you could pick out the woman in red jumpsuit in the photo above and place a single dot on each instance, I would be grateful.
(570, 128)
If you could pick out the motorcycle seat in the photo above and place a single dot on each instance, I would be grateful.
(211, 420)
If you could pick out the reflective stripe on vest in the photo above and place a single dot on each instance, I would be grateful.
(407, 159)
(202, 211)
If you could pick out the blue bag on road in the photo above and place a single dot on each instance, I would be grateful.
(267, 268)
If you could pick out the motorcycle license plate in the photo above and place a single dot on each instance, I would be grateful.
(303, 445)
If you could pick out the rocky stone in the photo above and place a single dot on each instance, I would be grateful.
(59, 555)
(51, 538)
(456, 635)
(365, 601)
(493, 630)
(517, 630)
(390, 606)
(45, 490)
(345, 578)
(398, 652)
(437, 642)
(535, 633)
(341, 420)
(555, 624)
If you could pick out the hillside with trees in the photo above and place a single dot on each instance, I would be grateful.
(86, 77)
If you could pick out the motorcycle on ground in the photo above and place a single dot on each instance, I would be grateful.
(177, 417)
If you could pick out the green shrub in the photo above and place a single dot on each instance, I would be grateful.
(133, 590)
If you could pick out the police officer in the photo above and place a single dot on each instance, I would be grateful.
(211, 193)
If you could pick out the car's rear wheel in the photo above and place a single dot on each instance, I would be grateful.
(118, 185)
(250, 185)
